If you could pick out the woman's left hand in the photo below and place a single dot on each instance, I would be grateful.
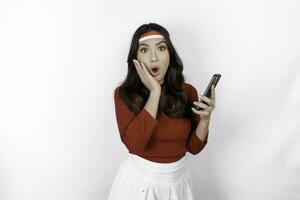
(211, 104)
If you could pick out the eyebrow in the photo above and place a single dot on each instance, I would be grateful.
(156, 43)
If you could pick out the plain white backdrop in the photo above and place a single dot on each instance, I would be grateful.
(60, 62)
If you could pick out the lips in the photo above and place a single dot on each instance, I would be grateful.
(154, 70)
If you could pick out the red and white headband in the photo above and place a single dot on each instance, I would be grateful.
(150, 35)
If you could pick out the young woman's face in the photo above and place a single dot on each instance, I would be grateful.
(154, 53)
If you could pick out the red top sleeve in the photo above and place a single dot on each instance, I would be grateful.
(194, 144)
(135, 129)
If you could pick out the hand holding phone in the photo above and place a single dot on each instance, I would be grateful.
(214, 81)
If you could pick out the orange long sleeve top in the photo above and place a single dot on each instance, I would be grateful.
(161, 139)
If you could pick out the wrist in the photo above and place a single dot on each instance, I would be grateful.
(155, 92)
(205, 120)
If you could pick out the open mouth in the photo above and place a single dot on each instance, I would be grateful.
(155, 71)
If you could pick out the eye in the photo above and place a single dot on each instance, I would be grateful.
(141, 50)
(162, 47)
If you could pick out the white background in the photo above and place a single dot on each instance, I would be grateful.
(60, 62)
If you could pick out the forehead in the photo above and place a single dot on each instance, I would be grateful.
(152, 42)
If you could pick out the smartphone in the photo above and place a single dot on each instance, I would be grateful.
(214, 81)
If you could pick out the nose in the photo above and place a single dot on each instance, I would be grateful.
(154, 59)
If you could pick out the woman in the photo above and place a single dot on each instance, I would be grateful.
(157, 121)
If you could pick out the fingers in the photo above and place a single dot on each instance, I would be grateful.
(145, 69)
(207, 109)
(209, 101)
(142, 68)
(201, 113)
(140, 71)
(201, 105)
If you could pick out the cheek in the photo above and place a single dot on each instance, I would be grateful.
(141, 57)
(165, 61)
(165, 69)
(167, 55)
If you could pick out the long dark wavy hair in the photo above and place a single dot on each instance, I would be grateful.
(173, 100)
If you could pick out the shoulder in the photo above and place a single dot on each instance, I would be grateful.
(189, 86)
(190, 90)
(117, 93)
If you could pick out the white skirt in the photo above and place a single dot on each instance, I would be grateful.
(141, 179)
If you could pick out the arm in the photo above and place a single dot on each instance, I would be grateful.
(136, 130)
(152, 103)
(198, 136)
